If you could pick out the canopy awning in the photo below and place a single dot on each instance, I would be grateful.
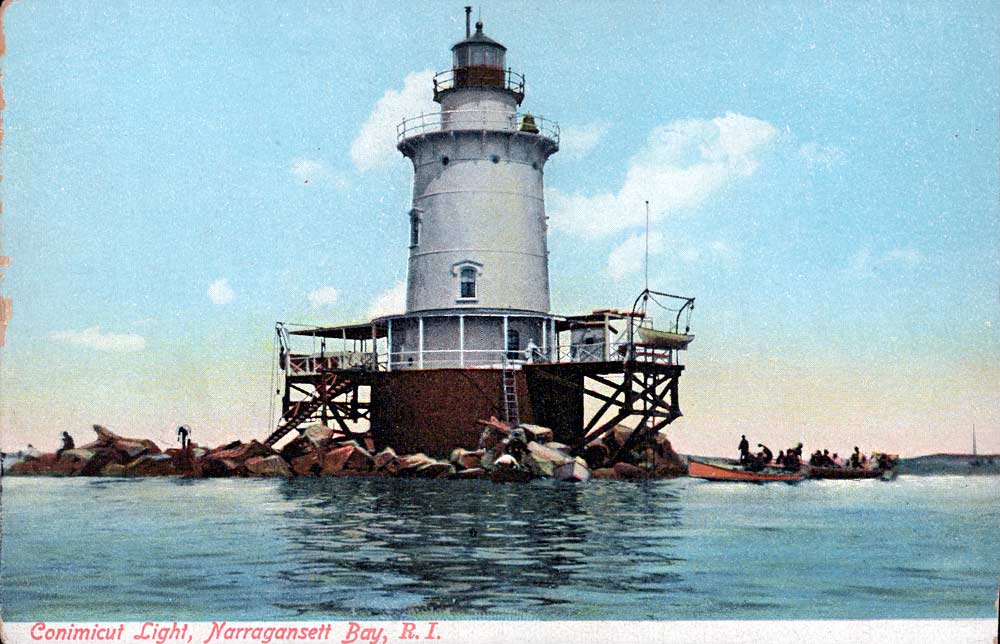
(362, 331)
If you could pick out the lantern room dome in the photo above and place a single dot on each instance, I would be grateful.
(478, 50)
(479, 62)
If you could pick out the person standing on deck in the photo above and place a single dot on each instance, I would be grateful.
(744, 449)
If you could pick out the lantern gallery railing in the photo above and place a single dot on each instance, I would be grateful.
(524, 123)
(480, 76)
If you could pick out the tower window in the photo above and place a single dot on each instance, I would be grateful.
(414, 228)
(467, 283)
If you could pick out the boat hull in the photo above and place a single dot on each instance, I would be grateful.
(844, 473)
(709, 472)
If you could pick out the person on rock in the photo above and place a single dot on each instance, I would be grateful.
(184, 436)
(67, 444)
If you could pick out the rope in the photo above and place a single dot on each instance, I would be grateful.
(271, 392)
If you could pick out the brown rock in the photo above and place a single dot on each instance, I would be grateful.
(308, 465)
(626, 471)
(621, 434)
(597, 454)
(102, 457)
(350, 458)
(272, 465)
(496, 424)
(383, 458)
(543, 460)
(406, 466)
(603, 473)
(538, 433)
(209, 467)
(113, 469)
(435, 470)
(42, 464)
(574, 471)
(129, 447)
(314, 438)
(471, 473)
(151, 465)
(464, 459)
(240, 452)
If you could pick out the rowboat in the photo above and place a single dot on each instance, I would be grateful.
(710, 472)
(658, 339)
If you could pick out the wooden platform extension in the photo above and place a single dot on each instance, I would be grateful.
(435, 410)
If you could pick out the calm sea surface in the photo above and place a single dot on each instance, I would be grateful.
(312, 549)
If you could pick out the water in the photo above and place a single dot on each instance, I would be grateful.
(313, 549)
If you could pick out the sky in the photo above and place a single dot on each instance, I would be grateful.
(822, 177)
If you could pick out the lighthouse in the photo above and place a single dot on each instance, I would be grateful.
(477, 280)
(478, 338)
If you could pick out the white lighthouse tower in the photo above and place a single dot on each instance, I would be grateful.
(478, 280)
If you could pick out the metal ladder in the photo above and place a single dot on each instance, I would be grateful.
(510, 394)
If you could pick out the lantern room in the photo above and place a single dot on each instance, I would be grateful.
(478, 62)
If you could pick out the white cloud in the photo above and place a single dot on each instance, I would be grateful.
(577, 142)
(390, 302)
(324, 296)
(864, 263)
(860, 265)
(94, 338)
(220, 292)
(311, 172)
(682, 165)
(907, 255)
(628, 257)
(815, 154)
(375, 144)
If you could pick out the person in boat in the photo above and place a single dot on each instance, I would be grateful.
(780, 461)
(765, 455)
(827, 461)
(67, 444)
(792, 461)
(744, 450)
(837, 461)
(856, 458)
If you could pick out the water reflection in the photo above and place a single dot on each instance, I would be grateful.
(395, 548)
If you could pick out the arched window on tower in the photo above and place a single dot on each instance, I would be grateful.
(467, 274)
(414, 227)
(467, 283)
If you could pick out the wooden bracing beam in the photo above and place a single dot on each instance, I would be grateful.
(647, 395)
